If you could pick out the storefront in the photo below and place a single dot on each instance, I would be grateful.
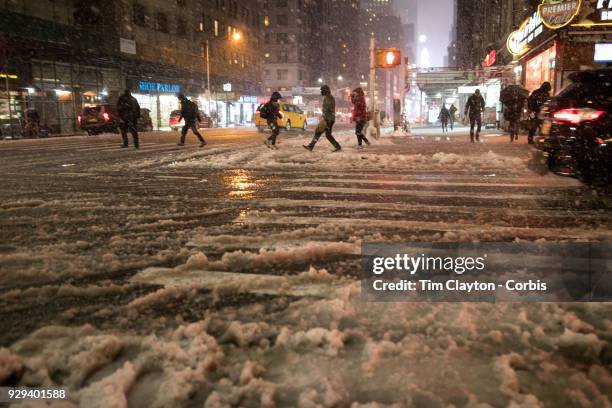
(160, 98)
(231, 109)
(561, 37)
(56, 90)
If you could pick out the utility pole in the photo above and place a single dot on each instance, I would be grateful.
(208, 94)
(373, 111)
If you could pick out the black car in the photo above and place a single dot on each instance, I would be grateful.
(577, 127)
(97, 119)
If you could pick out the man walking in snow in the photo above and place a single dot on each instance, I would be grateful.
(129, 112)
(534, 103)
(475, 107)
(444, 115)
(452, 110)
(359, 115)
(271, 113)
(329, 118)
(191, 114)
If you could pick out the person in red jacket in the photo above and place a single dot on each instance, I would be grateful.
(359, 115)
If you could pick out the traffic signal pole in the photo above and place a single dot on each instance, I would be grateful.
(372, 91)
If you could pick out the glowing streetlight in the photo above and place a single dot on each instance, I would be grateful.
(320, 80)
(339, 77)
(236, 36)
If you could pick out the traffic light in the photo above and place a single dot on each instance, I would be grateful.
(388, 57)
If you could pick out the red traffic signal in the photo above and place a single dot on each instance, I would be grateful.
(388, 57)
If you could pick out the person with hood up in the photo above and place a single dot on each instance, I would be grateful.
(452, 111)
(359, 115)
(271, 113)
(444, 116)
(129, 112)
(191, 114)
(534, 104)
(475, 107)
(327, 122)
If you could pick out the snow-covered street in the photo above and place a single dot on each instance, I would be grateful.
(228, 276)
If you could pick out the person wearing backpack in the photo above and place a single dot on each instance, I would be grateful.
(271, 113)
(534, 103)
(191, 114)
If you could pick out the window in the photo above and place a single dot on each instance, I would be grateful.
(283, 56)
(282, 38)
(267, 38)
(281, 3)
(139, 16)
(161, 22)
(216, 28)
(282, 74)
(181, 28)
(181, 3)
(266, 21)
(281, 19)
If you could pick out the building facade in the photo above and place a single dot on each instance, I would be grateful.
(61, 55)
(287, 30)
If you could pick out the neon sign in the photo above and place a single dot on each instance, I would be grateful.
(519, 40)
(490, 59)
(558, 13)
(158, 87)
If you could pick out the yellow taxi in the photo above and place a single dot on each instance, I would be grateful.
(293, 117)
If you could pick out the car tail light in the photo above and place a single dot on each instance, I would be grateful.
(106, 116)
(79, 119)
(577, 115)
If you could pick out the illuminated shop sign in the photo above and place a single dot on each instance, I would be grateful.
(519, 40)
(158, 87)
(558, 13)
(603, 52)
(9, 76)
(595, 13)
(490, 59)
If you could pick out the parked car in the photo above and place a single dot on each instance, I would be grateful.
(293, 117)
(175, 124)
(96, 119)
(577, 127)
(145, 124)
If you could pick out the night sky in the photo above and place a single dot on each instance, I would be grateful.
(434, 19)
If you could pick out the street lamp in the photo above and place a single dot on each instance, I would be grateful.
(339, 77)
(236, 37)
(320, 80)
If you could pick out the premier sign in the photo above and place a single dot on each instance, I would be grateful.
(558, 13)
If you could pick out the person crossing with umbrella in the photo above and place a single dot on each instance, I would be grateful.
(513, 97)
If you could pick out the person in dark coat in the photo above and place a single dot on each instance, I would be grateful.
(359, 115)
(512, 113)
(129, 112)
(273, 114)
(444, 116)
(534, 104)
(329, 118)
(452, 111)
(475, 107)
(191, 114)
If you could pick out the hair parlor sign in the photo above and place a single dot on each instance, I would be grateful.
(558, 13)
